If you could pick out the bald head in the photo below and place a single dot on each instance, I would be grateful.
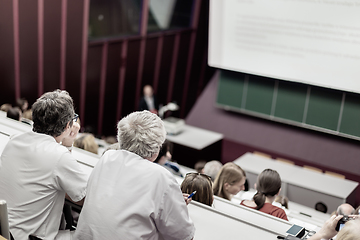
(345, 209)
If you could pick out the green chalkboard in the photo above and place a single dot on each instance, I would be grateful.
(290, 101)
(230, 89)
(350, 121)
(324, 108)
(259, 95)
(300, 104)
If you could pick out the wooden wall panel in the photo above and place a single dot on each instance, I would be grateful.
(149, 62)
(178, 93)
(111, 91)
(165, 67)
(131, 77)
(28, 28)
(92, 88)
(52, 30)
(7, 72)
(73, 49)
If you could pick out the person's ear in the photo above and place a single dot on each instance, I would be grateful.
(278, 192)
(226, 186)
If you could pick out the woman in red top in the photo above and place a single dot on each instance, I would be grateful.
(268, 186)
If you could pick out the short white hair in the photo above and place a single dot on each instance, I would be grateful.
(142, 133)
(212, 168)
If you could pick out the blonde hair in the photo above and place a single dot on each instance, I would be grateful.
(87, 142)
(230, 173)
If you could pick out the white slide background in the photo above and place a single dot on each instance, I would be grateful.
(315, 42)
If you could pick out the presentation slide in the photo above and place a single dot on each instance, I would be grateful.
(315, 42)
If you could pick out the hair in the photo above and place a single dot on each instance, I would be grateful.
(199, 165)
(166, 147)
(320, 206)
(142, 133)
(87, 142)
(357, 211)
(201, 184)
(351, 231)
(283, 200)
(5, 107)
(52, 112)
(27, 114)
(230, 173)
(268, 184)
(14, 113)
(212, 168)
(22, 103)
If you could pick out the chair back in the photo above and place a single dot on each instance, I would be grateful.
(4, 221)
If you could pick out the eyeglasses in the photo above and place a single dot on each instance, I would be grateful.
(201, 174)
(76, 117)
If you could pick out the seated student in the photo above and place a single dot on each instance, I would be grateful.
(212, 168)
(38, 170)
(351, 230)
(200, 183)
(14, 113)
(268, 187)
(229, 181)
(164, 158)
(130, 197)
(199, 166)
(5, 107)
(87, 142)
(282, 200)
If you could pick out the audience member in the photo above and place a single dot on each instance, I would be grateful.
(345, 209)
(321, 207)
(200, 183)
(14, 113)
(37, 172)
(357, 211)
(212, 168)
(351, 230)
(268, 186)
(130, 197)
(199, 166)
(229, 181)
(149, 101)
(87, 142)
(27, 117)
(164, 159)
(5, 107)
(22, 103)
(283, 200)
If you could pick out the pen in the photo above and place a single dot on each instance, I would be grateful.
(190, 196)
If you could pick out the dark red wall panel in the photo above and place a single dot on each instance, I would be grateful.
(73, 49)
(52, 30)
(28, 29)
(111, 90)
(131, 77)
(7, 74)
(92, 88)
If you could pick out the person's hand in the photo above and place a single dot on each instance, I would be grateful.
(328, 230)
(69, 140)
(187, 200)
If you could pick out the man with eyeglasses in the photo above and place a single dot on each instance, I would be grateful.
(37, 170)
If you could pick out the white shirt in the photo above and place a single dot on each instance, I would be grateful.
(129, 197)
(35, 174)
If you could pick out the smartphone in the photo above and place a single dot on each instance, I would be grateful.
(296, 231)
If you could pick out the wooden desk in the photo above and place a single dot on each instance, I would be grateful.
(301, 185)
(193, 144)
